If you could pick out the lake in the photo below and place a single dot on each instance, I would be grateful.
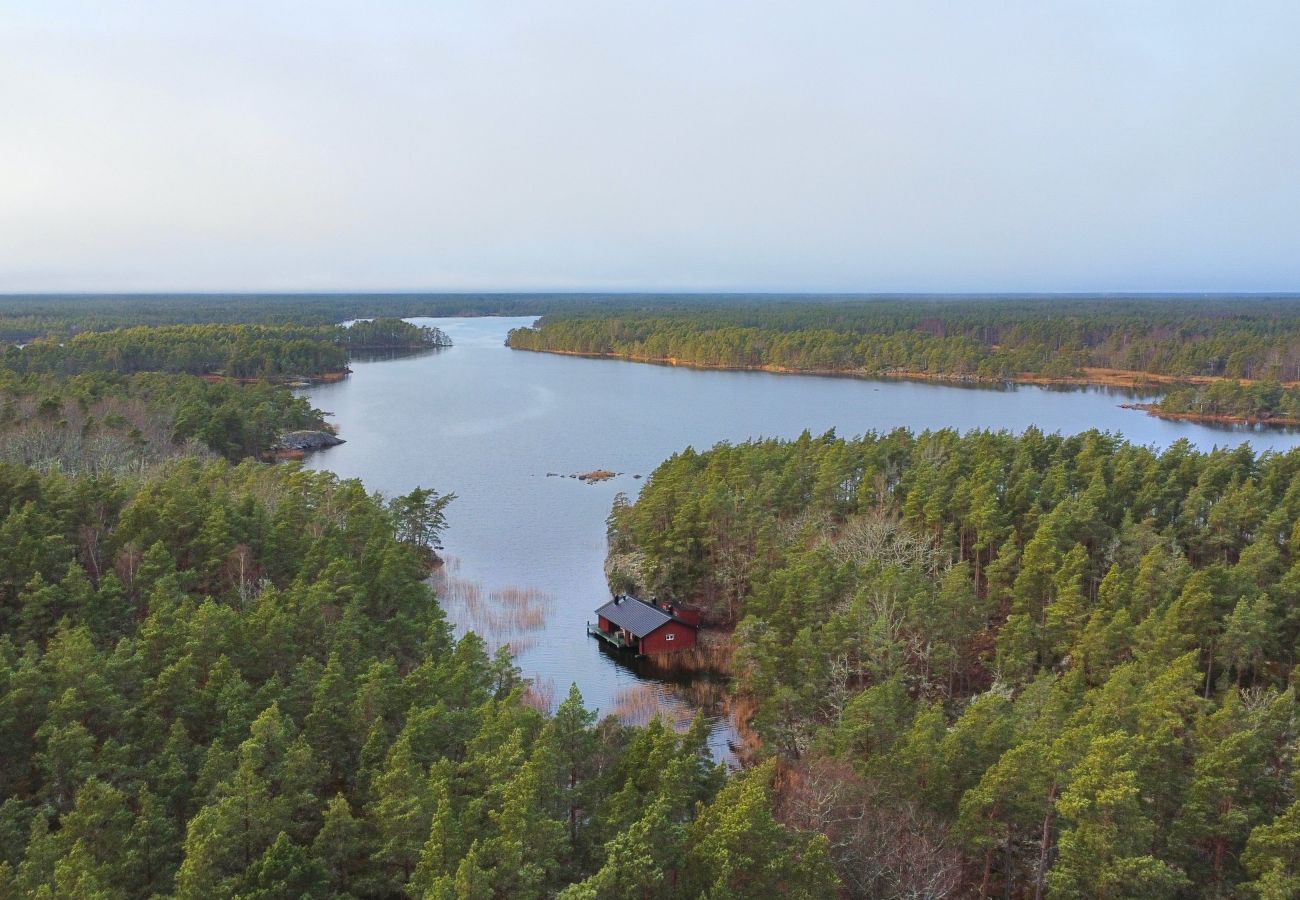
(503, 430)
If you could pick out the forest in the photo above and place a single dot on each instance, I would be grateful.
(103, 423)
(1264, 402)
(28, 317)
(222, 678)
(1004, 666)
(972, 665)
(391, 334)
(24, 317)
(972, 338)
(233, 681)
(236, 351)
(122, 400)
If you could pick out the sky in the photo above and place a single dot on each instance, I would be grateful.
(1002, 145)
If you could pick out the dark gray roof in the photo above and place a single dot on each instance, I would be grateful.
(635, 615)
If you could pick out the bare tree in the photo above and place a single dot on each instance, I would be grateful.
(882, 847)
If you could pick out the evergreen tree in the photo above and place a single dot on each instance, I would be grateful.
(341, 848)
(1104, 850)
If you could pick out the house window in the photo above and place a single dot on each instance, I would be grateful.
(669, 637)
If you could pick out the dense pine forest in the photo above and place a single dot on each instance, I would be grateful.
(994, 339)
(971, 665)
(121, 400)
(27, 317)
(104, 423)
(24, 317)
(1264, 401)
(238, 351)
(233, 681)
(1004, 666)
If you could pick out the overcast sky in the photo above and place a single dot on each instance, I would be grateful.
(612, 144)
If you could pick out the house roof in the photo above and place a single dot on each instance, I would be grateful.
(635, 615)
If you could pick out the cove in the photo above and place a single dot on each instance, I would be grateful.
(526, 545)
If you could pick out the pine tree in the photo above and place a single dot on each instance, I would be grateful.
(642, 861)
(40, 606)
(402, 812)
(151, 845)
(472, 882)
(522, 857)
(736, 848)
(77, 874)
(1248, 636)
(441, 852)
(572, 743)
(340, 847)
(285, 870)
(236, 827)
(328, 727)
(1272, 856)
(1105, 850)
(99, 823)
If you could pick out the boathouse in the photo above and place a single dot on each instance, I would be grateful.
(632, 624)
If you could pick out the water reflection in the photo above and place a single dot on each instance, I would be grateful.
(371, 356)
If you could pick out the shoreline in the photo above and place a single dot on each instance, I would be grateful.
(1125, 379)
(328, 377)
(1152, 409)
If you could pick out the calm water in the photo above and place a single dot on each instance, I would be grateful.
(526, 549)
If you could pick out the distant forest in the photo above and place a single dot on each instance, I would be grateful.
(993, 339)
(1263, 401)
(240, 351)
(124, 399)
(24, 317)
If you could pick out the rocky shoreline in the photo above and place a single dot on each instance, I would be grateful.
(297, 444)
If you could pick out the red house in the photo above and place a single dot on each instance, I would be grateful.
(633, 624)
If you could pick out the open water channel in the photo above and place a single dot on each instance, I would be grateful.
(504, 429)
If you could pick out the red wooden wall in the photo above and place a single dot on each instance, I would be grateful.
(658, 641)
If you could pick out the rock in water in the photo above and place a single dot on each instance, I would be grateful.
(597, 475)
(307, 440)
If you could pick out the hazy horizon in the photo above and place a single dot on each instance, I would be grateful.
(916, 148)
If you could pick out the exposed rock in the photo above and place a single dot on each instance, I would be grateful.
(307, 440)
(596, 475)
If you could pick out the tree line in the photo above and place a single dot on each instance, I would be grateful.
(1004, 666)
(1263, 401)
(956, 338)
(121, 401)
(25, 317)
(236, 351)
(391, 334)
(112, 424)
(60, 316)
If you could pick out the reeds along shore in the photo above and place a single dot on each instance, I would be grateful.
(507, 617)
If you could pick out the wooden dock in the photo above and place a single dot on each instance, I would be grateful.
(610, 638)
